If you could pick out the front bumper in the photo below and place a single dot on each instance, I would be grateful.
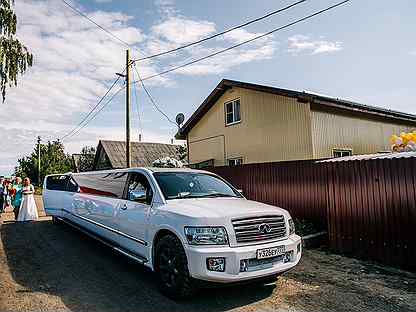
(197, 259)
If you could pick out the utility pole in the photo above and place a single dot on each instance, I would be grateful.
(39, 182)
(128, 68)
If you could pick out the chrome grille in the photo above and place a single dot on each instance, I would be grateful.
(254, 229)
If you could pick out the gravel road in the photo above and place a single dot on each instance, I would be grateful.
(49, 267)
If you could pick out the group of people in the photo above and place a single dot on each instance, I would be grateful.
(18, 196)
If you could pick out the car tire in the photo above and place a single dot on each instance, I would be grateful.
(171, 266)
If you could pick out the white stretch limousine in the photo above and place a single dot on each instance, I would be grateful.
(186, 225)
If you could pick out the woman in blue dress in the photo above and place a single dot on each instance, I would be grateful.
(17, 198)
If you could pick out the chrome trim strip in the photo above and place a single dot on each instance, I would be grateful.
(142, 261)
(125, 253)
(138, 240)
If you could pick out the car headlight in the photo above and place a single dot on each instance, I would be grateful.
(291, 227)
(206, 235)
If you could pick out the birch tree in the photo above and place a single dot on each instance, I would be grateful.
(15, 58)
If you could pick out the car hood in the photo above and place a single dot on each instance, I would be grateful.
(221, 207)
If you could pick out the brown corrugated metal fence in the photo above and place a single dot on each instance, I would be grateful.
(369, 206)
(297, 186)
(371, 209)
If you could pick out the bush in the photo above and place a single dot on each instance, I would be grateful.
(306, 227)
(38, 190)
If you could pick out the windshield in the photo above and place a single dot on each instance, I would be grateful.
(193, 185)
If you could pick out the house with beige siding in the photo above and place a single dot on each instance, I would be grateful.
(248, 123)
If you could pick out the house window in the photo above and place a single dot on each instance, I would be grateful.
(232, 112)
(203, 164)
(235, 162)
(341, 152)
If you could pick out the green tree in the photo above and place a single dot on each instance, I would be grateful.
(53, 160)
(14, 56)
(86, 159)
(182, 153)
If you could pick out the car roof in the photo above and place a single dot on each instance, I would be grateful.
(150, 169)
(156, 169)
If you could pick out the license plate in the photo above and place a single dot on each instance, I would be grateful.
(270, 252)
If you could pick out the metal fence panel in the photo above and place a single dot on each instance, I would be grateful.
(369, 206)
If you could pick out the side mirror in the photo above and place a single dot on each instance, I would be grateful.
(137, 196)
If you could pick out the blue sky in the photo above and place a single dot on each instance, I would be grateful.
(363, 51)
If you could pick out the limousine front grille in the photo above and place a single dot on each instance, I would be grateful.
(254, 229)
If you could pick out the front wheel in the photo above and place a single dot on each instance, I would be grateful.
(171, 267)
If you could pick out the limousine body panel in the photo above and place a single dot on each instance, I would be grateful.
(129, 210)
(97, 213)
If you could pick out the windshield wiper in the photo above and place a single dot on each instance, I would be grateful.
(184, 195)
(190, 195)
(218, 195)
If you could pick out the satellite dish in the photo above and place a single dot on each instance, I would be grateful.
(180, 118)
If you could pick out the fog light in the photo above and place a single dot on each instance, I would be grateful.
(288, 256)
(243, 265)
(216, 264)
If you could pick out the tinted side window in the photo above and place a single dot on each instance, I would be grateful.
(72, 186)
(103, 184)
(139, 189)
(57, 183)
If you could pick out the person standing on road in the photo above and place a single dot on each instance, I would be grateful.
(28, 210)
(17, 197)
(3, 193)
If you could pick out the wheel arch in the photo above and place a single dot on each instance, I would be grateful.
(162, 232)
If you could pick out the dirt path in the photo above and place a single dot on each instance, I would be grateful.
(48, 267)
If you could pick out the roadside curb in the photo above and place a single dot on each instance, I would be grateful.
(314, 240)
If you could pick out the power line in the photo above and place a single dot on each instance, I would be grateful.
(99, 26)
(151, 98)
(97, 112)
(242, 43)
(138, 109)
(222, 33)
(92, 110)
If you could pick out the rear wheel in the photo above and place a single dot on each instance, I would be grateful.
(171, 267)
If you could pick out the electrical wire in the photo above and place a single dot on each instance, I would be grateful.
(136, 97)
(152, 99)
(242, 43)
(92, 110)
(98, 111)
(222, 32)
(100, 27)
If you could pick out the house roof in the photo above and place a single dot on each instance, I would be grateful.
(301, 96)
(371, 157)
(142, 153)
(77, 159)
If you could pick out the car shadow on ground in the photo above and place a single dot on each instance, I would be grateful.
(86, 275)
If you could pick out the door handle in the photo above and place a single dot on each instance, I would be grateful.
(124, 207)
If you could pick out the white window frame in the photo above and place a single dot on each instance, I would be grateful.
(235, 160)
(341, 150)
(234, 104)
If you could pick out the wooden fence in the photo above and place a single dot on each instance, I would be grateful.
(369, 206)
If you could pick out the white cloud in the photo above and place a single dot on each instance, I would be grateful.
(181, 30)
(166, 7)
(178, 30)
(300, 43)
(413, 53)
(75, 63)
